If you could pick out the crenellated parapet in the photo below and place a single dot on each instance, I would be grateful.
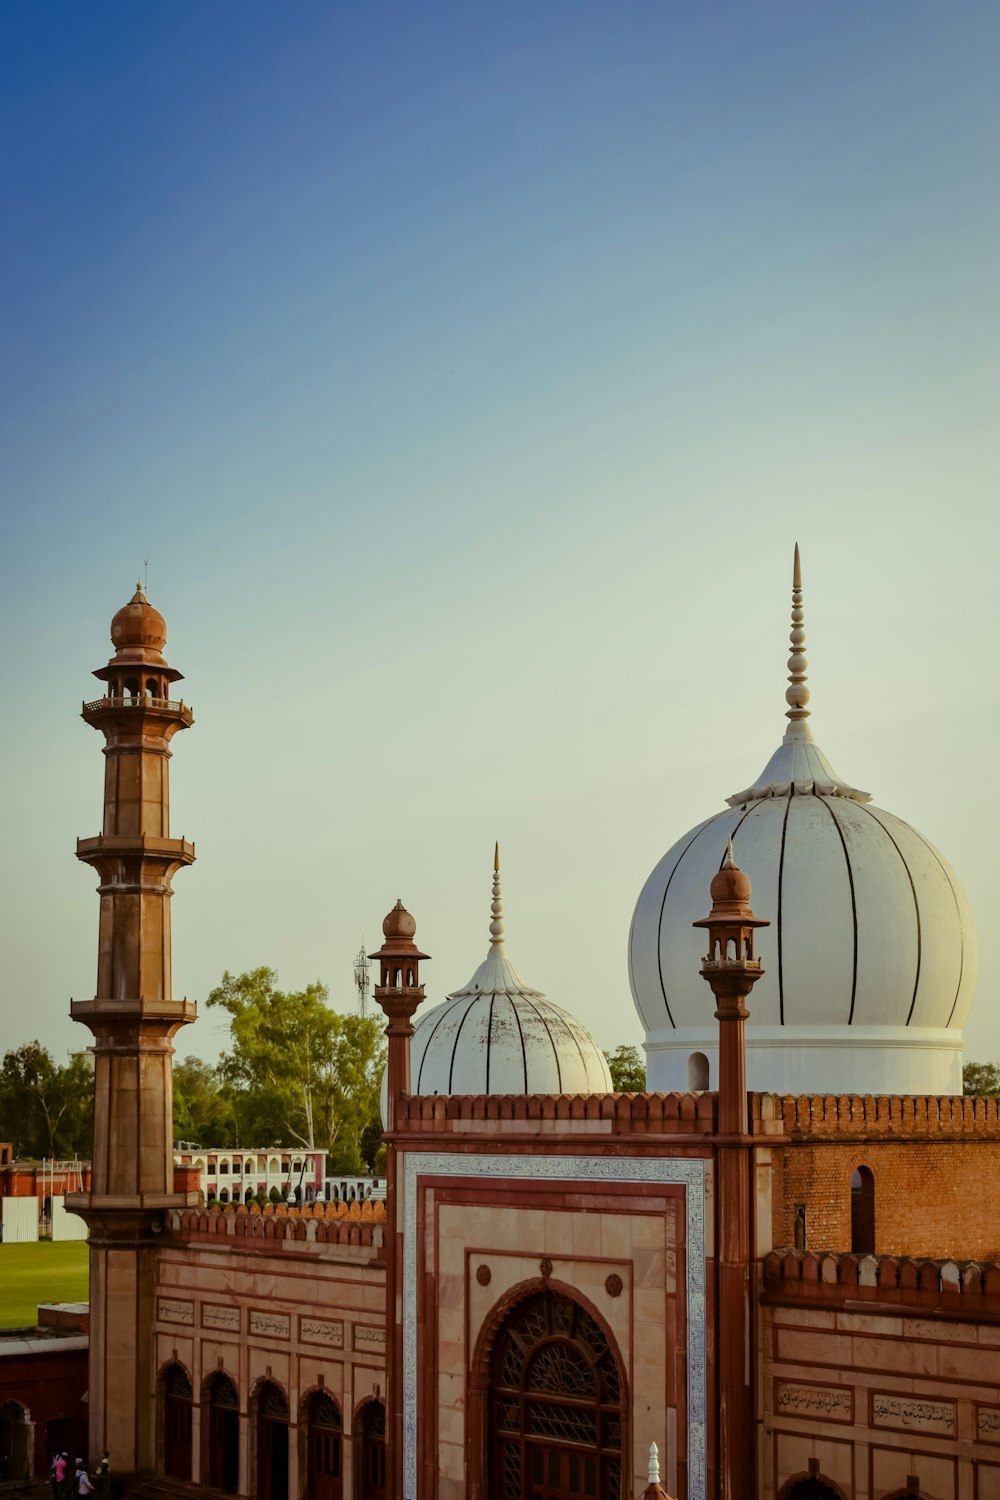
(290, 1232)
(822, 1116)
(576, 1114)
(967, 1289)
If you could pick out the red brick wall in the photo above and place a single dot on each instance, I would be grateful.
(934, 1197)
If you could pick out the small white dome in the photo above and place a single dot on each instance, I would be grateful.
(870, 960)
(498, 1035)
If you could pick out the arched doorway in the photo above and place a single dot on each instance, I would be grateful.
(223, 1435)
(862, 1211)
(272, 1443)
(698, 1073)
(812, 1487)
(177, 1411)
(555, 1405)
(369, 1445)
(324, 1449)
(15, 1448)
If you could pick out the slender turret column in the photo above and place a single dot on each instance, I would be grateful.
(133, 1019)
(398, 992)
(732, 971)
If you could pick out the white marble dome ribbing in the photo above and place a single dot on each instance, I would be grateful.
(497, 1035)
(871, 957)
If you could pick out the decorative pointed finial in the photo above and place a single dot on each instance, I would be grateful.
(729, 862)
(496, 926)
(797, 695)
(654, 1464)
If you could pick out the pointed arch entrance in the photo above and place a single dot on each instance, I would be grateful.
(324, 1448)
(222, 1440)
(555, 1405)
(178, 1406)
(272, 1442)
(369, 1446)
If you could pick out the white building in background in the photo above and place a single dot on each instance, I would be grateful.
(871, 958)
(229, 1174)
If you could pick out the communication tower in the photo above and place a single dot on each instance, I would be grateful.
(362, 980)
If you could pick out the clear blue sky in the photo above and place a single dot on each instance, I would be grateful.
(467, 373)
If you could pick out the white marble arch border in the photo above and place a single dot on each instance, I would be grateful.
(687, 1172)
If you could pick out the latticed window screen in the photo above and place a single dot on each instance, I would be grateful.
(272, 1405)
(813, 1488)
(224, 1393)
(555, 1406)
(177, 1384)
(323, 1411)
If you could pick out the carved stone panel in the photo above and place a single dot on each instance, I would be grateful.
(171, 1310)
(911, 1413)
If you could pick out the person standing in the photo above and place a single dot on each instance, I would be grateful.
(104, 1477)
(61, 1465)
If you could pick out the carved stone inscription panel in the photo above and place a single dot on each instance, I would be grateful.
(835, 1404)
(171, 1310)
(910, 1413)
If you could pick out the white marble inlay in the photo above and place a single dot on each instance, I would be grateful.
(688, 1173)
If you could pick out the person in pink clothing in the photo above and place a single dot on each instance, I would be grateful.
(60, 1471)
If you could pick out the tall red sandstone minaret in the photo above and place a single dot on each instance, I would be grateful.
(398, 992)
(133, 1018)
(732, 971)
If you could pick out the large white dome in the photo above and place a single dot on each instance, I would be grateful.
(871, 957)
(498, 1035)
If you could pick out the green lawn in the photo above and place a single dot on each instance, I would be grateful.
(45, 1272)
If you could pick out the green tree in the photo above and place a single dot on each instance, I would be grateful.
(203, 1106)
(46, 1110)
(628, 1071)
(298, 1072)
(981, 1078)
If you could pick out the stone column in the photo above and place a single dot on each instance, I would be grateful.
(398, 993)
(732, 971)
(133, 1019)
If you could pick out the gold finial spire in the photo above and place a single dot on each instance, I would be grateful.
(496, 926)
(797, 695)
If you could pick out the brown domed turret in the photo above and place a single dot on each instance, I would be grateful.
(138, 624)
(399, 923)
(730, 885)
(399, 955)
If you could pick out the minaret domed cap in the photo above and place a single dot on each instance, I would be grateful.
(730, 891)
(137, 623)
(730, 883)
(398, 923)
(399, 928)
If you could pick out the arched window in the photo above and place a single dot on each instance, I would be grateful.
(369, 1446)
(324, 1449)
(862, 1211)
(272, 1443)
(697, 1073)
(177, 1408)
(555, 1404)
(222, 1431)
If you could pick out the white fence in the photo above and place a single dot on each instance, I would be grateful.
(19, 1221)
(66, 1225)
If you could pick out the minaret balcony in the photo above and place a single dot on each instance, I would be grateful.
(176, 708)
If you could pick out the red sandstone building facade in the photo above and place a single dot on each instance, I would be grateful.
(794, 1297)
